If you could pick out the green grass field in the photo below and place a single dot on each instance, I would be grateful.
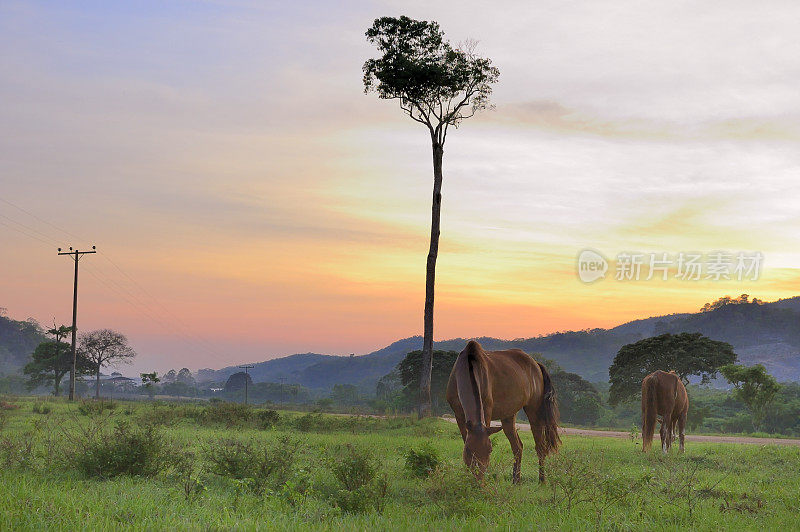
(47, 480)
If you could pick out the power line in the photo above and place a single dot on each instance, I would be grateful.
(31, 229)
(127, 295)
(57, 228)
(26, 233)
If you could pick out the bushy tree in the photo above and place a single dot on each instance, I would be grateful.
(578, 400)
(686, 353)
(439, 86)
(345, 394)
(184, 376)
(149, 381)
(410, 369)
(238, 381)
(52, 360)
(754, 387)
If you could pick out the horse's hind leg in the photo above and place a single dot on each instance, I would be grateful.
(510, 430)
(681, 426)
(666, 433)
(538, 437)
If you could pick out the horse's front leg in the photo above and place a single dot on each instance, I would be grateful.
(510, 430)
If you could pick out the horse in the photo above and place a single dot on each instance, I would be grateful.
(495, 385)
(664, 395)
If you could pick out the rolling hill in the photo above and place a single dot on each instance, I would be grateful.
(18, 339)
(768, 334)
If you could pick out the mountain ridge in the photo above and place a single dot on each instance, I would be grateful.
(766, 333)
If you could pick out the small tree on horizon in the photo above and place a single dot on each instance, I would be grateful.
(149, 380)
(439, 86)
(105, 347)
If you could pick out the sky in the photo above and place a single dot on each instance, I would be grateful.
(249, 201)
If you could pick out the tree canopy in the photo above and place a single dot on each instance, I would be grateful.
(686, 353)
(743, 299)
(437, 85)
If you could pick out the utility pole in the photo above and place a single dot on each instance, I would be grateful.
(245, 368)
(76, 256)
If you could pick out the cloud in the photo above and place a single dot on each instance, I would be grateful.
(554, 117)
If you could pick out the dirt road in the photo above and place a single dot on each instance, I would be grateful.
(689, 437)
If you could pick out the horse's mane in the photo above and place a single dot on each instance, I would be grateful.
(469, 391)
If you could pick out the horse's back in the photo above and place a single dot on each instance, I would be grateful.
(514, 379)
(669, 392)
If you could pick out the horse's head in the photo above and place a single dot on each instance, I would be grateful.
(478, 447)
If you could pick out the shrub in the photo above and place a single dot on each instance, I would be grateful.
(16, 452)
(41, 408)
(139, 451)
(311, 421)
(162, 414)
(423, 461)
(456, 491)
(231, 414)
(263, 466)
(92, 408)
(230, 458)
(362, 487)
(268, 418)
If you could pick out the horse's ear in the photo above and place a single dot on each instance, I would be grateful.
(492, 430)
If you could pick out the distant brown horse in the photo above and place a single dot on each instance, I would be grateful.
(496, 385)
(663, 395)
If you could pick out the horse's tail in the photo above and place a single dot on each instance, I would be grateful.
(469, 391)
(649, 411)
(548, 414)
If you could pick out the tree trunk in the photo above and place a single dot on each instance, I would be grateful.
(430, 278)
(56, 385)
(97, 383)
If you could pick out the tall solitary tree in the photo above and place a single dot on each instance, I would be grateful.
(102, 348)
(439, 86)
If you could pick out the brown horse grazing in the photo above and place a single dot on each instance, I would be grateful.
(663, 395)
(495, 385)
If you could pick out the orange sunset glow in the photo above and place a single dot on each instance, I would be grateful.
(249, 201)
